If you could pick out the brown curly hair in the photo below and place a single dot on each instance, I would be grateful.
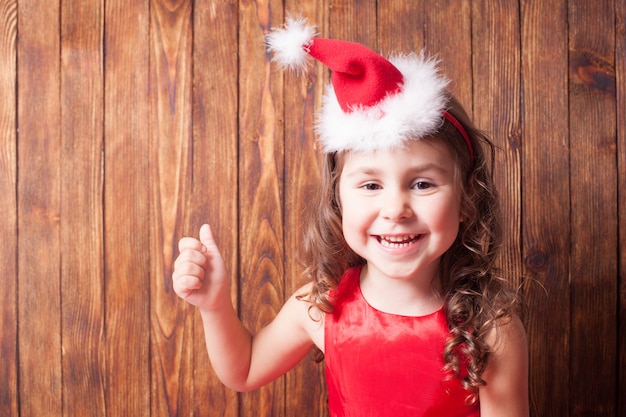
(476, 297)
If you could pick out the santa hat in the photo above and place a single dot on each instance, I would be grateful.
(371, 103)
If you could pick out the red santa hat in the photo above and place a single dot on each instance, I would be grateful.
(371, 103)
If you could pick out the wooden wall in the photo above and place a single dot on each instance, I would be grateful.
(125, 125)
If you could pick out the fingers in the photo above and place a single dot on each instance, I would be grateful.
(186, 284)
(190, 262)
(189, 243)
(188, 274)
(189, 267)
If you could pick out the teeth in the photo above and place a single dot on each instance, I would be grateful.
(397, 241)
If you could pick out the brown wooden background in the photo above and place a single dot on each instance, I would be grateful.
(126, 124)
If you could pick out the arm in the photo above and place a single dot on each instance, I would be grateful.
(242, 361)
(506, 392)
(245, 362)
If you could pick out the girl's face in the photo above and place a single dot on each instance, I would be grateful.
(401, 208)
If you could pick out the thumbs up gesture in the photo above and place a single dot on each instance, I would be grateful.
(200, 275)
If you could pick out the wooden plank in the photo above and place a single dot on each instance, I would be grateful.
(213, 196)
(82, 275)
(497, 87)
(401, 27)
(593, 174)
(354, 21)
(126, 208)
(260, 191)
(39, 249)
(448, 36)
(406, 27)
(8, 208)
(170, 139)
(305, 384)
(545, 201)
(620, 74)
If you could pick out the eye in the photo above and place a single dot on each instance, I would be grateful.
(371, 186)
(422, 185)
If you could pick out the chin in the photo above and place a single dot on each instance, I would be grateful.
(405, 271)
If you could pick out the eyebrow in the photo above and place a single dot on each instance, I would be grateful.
(372, 171)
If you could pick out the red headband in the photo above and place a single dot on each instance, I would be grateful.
(449, 117)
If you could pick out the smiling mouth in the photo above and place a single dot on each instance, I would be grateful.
(396, 242)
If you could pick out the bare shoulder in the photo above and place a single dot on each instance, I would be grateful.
(506, 392)
(309, 317)
(508, 336)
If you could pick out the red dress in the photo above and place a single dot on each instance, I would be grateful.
(380, 364)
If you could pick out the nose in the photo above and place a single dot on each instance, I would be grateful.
(396, 206)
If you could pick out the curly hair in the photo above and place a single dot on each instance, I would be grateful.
(477, 299)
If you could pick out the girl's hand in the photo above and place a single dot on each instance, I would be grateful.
(200, 276)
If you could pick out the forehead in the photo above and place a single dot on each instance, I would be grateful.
(416, 154)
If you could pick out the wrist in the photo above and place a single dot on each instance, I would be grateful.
(217, 307)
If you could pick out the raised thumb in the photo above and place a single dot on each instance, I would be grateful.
(206, 237)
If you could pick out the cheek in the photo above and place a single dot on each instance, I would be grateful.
(350, 217)
(347, 204)
(356, 210)
(355, 235)
(355, 222)
(445, 216)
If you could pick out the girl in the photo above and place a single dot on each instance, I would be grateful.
(403, 299)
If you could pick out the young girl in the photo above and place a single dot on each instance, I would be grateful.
(403, 298)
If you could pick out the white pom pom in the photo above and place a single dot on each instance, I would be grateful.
(288, 43)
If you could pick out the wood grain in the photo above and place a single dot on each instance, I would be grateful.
(497, 84)
(81, 215)
(171, 339)
(215, 165)
(126, 208)
(401, 26)
(354, 21)
(593, 194)
(448, 36)
(8, 208)
(261, 170)
(620, 83)
(39, 249)
(545, 204)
